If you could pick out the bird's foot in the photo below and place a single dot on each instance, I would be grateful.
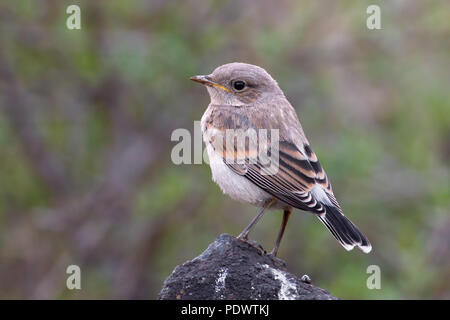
(242, 237)
(256, 245)
(277, 261)
(253, 243)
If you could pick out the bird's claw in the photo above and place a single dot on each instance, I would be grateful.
(277, 261)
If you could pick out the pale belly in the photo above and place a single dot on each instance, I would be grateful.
(232, 184)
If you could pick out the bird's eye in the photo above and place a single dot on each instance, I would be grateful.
(239, 85)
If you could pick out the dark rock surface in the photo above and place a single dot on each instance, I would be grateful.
(232, 269)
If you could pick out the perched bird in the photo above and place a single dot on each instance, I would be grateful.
(245, 97)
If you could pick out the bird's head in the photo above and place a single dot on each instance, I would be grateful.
(239, 84)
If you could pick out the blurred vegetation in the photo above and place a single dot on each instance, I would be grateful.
(86, 117)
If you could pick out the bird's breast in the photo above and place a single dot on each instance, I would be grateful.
(231, 183)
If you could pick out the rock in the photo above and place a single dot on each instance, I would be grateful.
(232, 269)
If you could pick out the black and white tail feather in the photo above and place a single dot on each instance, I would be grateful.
(343, 229)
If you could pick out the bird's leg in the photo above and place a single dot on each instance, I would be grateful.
(286, 215)
(244, 233)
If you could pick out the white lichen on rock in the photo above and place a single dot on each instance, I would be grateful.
(220, 281)
(288, 288)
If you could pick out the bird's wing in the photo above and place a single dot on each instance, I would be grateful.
(300, 181)
(294, 177)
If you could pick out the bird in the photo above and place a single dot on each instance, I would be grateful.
(245, 98)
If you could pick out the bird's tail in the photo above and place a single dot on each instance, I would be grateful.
(344, 230)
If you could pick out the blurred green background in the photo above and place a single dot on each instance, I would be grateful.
(86, 117)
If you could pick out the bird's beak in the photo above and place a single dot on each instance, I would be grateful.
(206, 80)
